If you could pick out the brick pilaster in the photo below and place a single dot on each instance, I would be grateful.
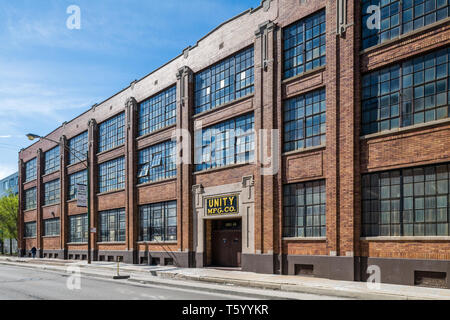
(39, 200)
(266, 69)
(331, 163)
(64, 187)
(93, 178)
(346, 55)
(131, 174)
(185, 105)
(258, 114)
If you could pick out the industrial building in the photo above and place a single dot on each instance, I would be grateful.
(300, 137)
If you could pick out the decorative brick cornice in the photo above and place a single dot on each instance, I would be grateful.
(266, 5)
(198, 189)
(63, 139)
(131, 103)
(183, 71)
(92, 123)
(268, 25)
(248, 181)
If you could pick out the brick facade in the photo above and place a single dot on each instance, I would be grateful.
(343, 253)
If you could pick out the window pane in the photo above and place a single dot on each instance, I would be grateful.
(112, 133)
(112, 175)
(305, 213)
(112, 225)
(226, 143)
(423, 210)
(230, 79)
(424, 97)
(158, 112)
(304, 45)
(414, 15)
(158, 222)
(79, 145)
(157, 162)
(305, 121)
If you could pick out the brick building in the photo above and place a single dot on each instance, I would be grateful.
(9, 185)
(353, 111)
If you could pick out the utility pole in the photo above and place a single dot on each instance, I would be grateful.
(1, 242)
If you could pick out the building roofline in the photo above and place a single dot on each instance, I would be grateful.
(10, 176)
(248, 11)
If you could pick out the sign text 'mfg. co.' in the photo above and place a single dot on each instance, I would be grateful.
(222, 205)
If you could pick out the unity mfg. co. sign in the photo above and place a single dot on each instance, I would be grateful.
(222, 205)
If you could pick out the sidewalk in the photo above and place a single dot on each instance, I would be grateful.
(206, 278)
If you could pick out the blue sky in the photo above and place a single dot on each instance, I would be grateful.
(50, 74)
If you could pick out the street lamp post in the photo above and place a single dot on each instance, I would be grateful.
(32, 137)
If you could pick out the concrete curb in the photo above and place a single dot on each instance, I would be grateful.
(210, 289)
(295, 288)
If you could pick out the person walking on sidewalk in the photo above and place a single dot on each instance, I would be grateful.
(33, 252)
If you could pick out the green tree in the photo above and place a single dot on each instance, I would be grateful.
(9, 208)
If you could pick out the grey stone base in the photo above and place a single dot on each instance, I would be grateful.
(200, 260)
(337, 268)
(402, 271)
(178, 259)
(76, 255)
(111, 256)
(126, 256)
(259, 263)
(53, 254)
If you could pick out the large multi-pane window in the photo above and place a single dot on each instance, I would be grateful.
(51, 227)
(157, 162)
(51, 192)
(75, 179)
(304, 45)
(407, 202)
(158, 222)
(51, 160)
(305, 210)
(112, 225)
(30, 199)
(226, 143)
(406, 94)
(225, 81)
(112, 133)
(30, 230)
(398, 17)
(30, 170)
(79, 145)
(158, 112)
(305, 121)
(112, 175)
(78, 228)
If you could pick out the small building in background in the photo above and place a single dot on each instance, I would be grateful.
(10, 183)
(7, 185)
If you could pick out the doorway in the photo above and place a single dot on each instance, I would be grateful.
(226, 240)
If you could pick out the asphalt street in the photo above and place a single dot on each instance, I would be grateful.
(22, 283)
(18, 283)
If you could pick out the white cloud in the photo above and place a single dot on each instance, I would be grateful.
(6, 170)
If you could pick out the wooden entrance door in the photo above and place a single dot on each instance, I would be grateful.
(226, 243)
